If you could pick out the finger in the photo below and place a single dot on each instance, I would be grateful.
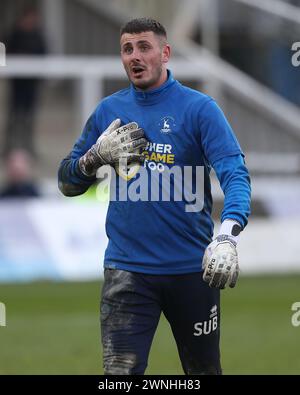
(125, 129)
(131, 155)
(110, 129)
(130, 136)
(113, 126)
(226, 267)
(205, 277)
(135, 145)
(136, 134)
(129, 126)
(128, 157)
(215, 281)
(135, 158)
(223, 281)
(139, 144)
(208, 272)
(234, 276)
(220, 275)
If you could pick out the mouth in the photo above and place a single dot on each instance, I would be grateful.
(137, 71)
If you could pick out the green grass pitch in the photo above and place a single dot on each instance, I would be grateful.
(53, 328)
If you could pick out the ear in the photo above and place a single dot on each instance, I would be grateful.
(166, 53)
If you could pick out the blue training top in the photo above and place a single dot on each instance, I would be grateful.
(184, 128)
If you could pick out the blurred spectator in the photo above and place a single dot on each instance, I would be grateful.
(19, 179)
(25, 39)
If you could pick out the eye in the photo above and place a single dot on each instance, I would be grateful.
(144, 48)
(127, 50)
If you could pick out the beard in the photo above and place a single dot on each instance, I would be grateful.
(146, 83)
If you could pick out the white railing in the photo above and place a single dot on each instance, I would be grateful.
(260, 97)
(90, 72)
(124, 10)
(201, 66)
(275, 7)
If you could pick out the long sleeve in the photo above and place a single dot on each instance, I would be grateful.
(71, 181)
(235, 182)
(223, 152)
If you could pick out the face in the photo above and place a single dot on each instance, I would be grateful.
(144, 56)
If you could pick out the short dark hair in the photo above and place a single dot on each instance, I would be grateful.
(140, 25)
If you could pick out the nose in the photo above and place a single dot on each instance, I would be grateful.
(135, 55)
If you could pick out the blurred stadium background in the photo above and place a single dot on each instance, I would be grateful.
(51, 247)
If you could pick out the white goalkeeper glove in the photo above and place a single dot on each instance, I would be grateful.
(220, 261)
(115, 144)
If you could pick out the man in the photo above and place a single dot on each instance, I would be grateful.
(153, 262)
(19, 176)
(25, 39)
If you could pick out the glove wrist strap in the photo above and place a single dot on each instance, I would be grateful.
(90, 162)
(231, 229)
(222, 238)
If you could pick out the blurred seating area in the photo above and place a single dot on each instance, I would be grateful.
(261, 103)
(255, 41)
(63, 56)
(252, 40)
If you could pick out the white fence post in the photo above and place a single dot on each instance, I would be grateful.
(2, 314)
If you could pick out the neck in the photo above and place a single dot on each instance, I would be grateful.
(162, 79)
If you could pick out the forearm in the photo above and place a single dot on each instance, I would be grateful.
(235, 183)
(71, 180)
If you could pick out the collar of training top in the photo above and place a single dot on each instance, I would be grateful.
(153, 95)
